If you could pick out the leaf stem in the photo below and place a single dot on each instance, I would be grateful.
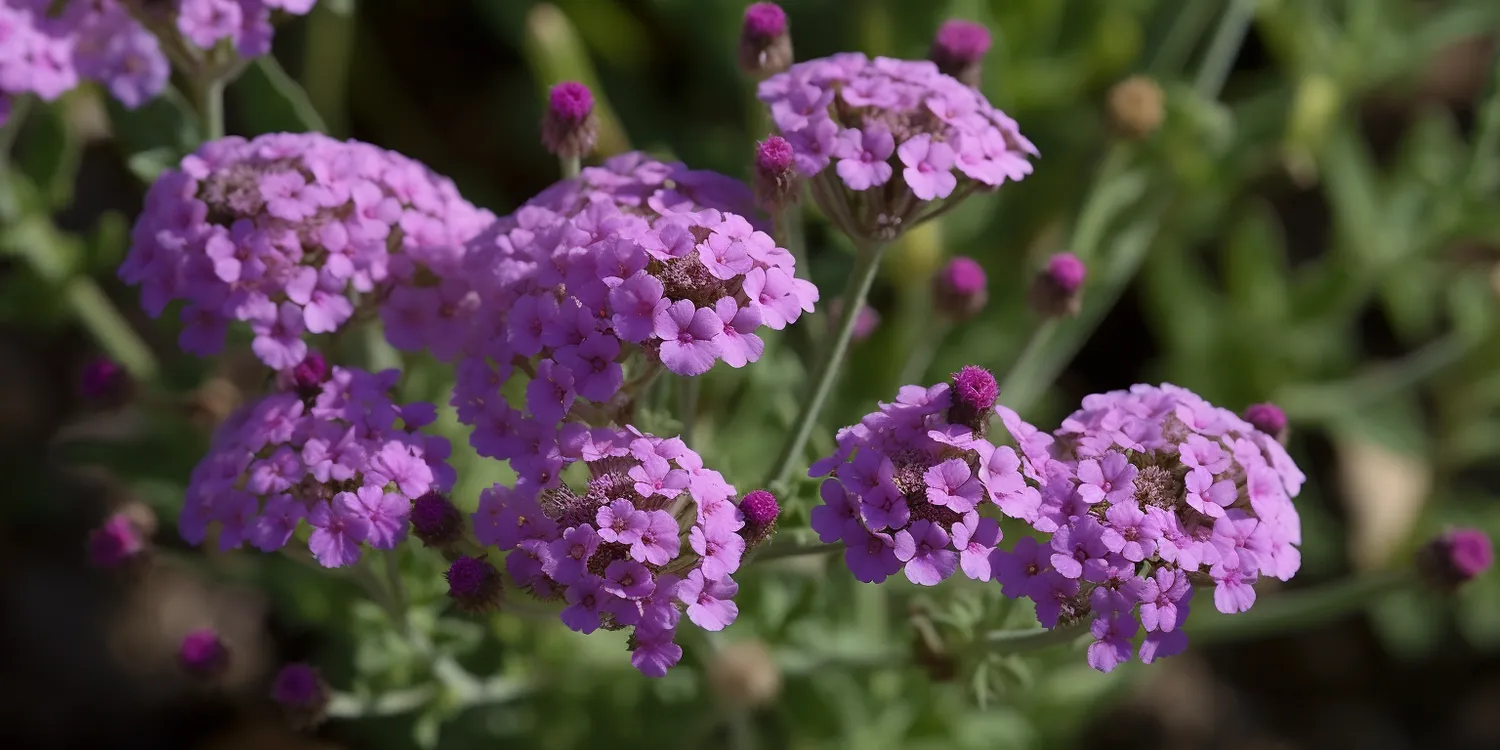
(783, 550)
(210, 92)
(571, 166)
(1006, 642)
(866, 263)
(1302, 608)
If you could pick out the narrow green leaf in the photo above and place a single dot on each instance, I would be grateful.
(271, 102)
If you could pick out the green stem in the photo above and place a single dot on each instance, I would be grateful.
(392, 568)
(211, 107)
(1006, 642)
(866, 263)
(783, 550)
(1328, 400)
(687, 405)
(1300, 609)
(1225, 46)
(571, 166)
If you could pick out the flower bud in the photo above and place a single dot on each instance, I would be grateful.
(959, 48)
(473, 585)
(760, 510)
(302, 695)
(1136, 107)
(104, 381)
(1055, 292)
(569, 129)
(310, 373)
(865, 322)
(1268, 418)
(765, 41)
(203, 654)
(435, 520)
(775, 174)
(1454, 558)
(974, 395)
(116, 542)
(959, 289)
(744, 675)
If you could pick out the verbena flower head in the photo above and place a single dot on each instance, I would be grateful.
(116, 542)
(435, 520)
(960, 289)
(775, 179)
(889, 143)
(636, 262)
(765, 41)
(569, 129)
(347, 460)
(908, 482)
(1455, 557)
(282, 232)
(1153, 475)
(203, 653)
(473, 584)
(47, 49)
(1057, 290)
(613, 547)
(302, 694)
(959, 48)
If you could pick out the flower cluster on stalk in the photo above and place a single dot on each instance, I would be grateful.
(285, 231)
(904, 141)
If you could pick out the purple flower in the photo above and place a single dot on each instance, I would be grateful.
(634, 303)
(923, 548)
(620, 522)
(1129, 532)
(655, 653)
(737, 343)
(864, 156)
(203, 653)
(1233, 589)
(385, 514)
(337, 533)
(1018, 571)
(550, 394)
(1207, 496)
(655, 476)
(709, 602)
(115, 542)
(720, 549)
(1111, 478)
(1111, 646)
(571, 553)
(1054, 592)
(772, 292)
(838, 517)
(1119, 590)
(929, 167)
(1455, 557)
(585, 597)
(884, 506)
(395, 463)
(658, 542)
(950, 484)
(278, 519)
(1079, 547)
(871, 556)
(1161, 644)
(975, 540)
(687, 334)
(1166, 592)
(628, 579)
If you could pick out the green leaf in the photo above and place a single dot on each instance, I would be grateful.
(48, 153)
(155, 135)
(271, 102)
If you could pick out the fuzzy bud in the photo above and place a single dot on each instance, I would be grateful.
(760, 510)
(1455, 557)
(570, 129)
(959, 48)
(302, 695)
(435, 520)
(960, 289)
(116, 542)
(974, 395)
(104, 380)
(203, 654)
(473, 585)
(1268, 418)
(1056, 291)
(310, 373)
(765, 41)
(775, 174)
(1136, 107)
(744, 675)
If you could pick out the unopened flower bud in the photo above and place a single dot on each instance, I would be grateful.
(116, 542)
(1268, 418)
(760, 510)
(974, 395)
(959, 48)
(1455, 557)
(1136, 107)
(435, 520)
(569, 129)
(765, 41)
(203, 654)
(960, 290)
(775, 174)
(302, 695)
(309, 374)
(473, 585)
(744, 675)
(104, 380)
(1056, 291)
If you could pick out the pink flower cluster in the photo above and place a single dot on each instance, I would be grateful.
(633, 256)
(339, 454)
(1152, 475)
(909, 480)
(282, 230)
(613, 547)
(871, 118)
(48, 53)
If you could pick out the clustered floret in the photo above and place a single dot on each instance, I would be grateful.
(636, 256)
(873, 117)
(613, 548)
(47, 47)
(1150, 492)
(343, 457)
(909, 480)
(285, 230)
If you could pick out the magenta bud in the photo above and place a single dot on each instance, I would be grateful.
(960, 289)
(473, 585)
(203, 654)
(103, 379)
(569, 129)
(311, 372)
(1455, 557)
(1268, 418)
(765, 41)
(760, 510)
(435, 520)
(116, 542)
(974, 395)
(1057, 290)
(302, 695)
(775, 178)
(959, 48)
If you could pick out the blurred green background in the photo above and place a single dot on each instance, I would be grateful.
(1316, 223)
